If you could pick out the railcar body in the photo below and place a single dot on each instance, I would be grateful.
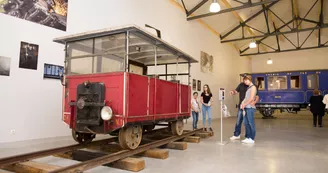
(114, 84)
(289, 90)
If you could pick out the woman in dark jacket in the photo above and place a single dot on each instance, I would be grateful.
(317, 107)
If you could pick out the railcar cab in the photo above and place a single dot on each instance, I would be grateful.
(289, 90)
(116, 80)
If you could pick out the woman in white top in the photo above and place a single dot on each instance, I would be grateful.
(325, 101)
(195, 110)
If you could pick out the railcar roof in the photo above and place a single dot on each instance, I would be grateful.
(132, 29)
(289, 71)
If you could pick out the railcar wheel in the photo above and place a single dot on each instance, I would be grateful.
(82, 138)
(130, 137)
(177, 127)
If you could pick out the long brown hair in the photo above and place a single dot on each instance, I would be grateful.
(208, 89)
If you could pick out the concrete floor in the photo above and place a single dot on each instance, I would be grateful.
(288, 144)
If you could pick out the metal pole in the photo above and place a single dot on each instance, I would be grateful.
(127, 52)
(155, 62)
(189, 76)
(177, 68)
(221, 123)
(93, 57)
(155, 95)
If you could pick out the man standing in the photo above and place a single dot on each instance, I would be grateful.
(241, 89)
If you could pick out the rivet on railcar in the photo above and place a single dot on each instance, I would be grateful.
(288, 90)
(123, 81)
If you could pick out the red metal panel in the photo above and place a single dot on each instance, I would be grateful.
(185, 99)
(166, 102)
(137, 95)
(151, 95)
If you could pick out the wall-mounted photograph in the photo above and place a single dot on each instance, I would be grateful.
(194, 84)
(28, 56)
(4, 66)
(53, 71)
(199, 85)
(52, 13)
(206, 62)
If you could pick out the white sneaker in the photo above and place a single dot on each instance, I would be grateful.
(245, 140)
(248, 141)
(235, 137)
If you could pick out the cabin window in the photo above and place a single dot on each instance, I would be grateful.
(312, 81)
(295, 82)
(99, 55)
(277, 82)
(80, 48)
(259, 82)
(136, 69)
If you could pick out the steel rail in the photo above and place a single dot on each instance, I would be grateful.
(77, 168)
(38, 154)
(43, 153)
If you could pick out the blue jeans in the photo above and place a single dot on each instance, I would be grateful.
(194, 119)
(238, 123)
(207, 109)
(249, 123)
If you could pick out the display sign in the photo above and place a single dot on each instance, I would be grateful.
(53, 71)
(221, 94)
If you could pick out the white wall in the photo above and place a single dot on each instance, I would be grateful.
(39, 114)
(29, 104)
(298, 60)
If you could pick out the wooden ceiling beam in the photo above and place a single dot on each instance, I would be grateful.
(203, 23)
(238, 17)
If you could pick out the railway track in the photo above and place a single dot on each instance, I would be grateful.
(151, 143)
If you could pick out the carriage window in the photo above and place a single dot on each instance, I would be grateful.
(295, 82)
(312, 81)
(277, 82)
(259, 81)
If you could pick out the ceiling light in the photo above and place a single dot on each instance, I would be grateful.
(269, 61)
(252, 44)
(215, 7)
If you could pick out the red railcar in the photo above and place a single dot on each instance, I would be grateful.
(116, 82)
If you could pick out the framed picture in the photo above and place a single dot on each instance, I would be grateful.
(206, 62)
(51, 13)
(52, 71)
(4, 66)
(28, 58)
(194, 85)
(199, 85)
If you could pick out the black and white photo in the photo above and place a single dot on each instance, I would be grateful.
(194, 85)
(4, 66)
(28, 56)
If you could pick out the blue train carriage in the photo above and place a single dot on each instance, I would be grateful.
(288, 91)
